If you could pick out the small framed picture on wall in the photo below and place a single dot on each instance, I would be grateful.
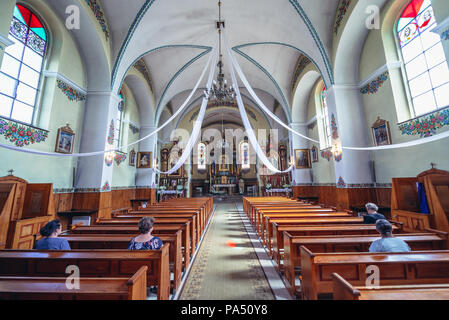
(65, 140)
(302, 159)
(314, 154)
(144, 160)
(381, 133)
(132, 158)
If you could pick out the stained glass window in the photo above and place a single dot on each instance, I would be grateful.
(202, 156)
(325, 120)
(21, 67)
(244, 155)
(118, 121)
(424, 58)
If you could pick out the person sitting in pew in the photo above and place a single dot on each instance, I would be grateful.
(51, 232)
(372, 216)
(145, 241)
(388, 243)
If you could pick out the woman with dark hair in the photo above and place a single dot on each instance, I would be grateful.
(50, 240)
(388, 243)
(145, 241)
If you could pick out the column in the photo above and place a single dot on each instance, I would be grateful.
(348, 126)
(98, 134)
(299, 176)
(6, 14)
(146, 178)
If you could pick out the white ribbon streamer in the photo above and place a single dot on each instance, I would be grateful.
(91, 154)
(249, 130)
(414, 143)
(198, 123)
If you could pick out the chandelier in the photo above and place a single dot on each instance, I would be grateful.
(220, 93)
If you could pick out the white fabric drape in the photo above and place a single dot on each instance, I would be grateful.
(91, 154)
(249, 130)
(198, 123)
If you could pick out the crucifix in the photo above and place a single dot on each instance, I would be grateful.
(433, 165)
(11, 171)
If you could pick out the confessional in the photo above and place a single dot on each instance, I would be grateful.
(24, 209)
(405, 201)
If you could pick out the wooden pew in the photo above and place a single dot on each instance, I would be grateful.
(264, 226)
(268, 229)
(158, 222)
(420, 267)
(284, 207)
(91, 263)
(121, 241)
(44, 288)
(134, 230)
(343, 290)
(347, 243)
(276, 243)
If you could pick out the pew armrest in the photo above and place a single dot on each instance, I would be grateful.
(443, 234)
(398, 223)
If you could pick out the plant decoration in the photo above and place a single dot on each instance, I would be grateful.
(427, 125)
(71, 93)
(375, 85)
(119, 157)
(342, 10)
(341, 183)
(106, 187)
(20, 134)
(96, 9)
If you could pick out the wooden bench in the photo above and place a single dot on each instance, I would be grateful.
(121, 241)
(268, 230)
(91, 263)
(44, 288)
(276, 243)
(343, 290)
(134, 230)
(277, 207)
(420, 267)
(347, 243)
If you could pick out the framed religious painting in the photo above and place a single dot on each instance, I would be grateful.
(144, 160)
(65, 140)
(302, 159)
(314, 154)
(381, 133)
(132, 158)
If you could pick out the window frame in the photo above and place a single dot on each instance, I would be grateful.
(406, 79)
(22, 63)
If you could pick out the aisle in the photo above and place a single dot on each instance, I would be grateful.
(227, 267)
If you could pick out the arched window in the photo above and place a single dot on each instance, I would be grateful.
(202, 154)
(423, 55)
(21, 68)
(244, 155)
(118, 121)
(327, 138)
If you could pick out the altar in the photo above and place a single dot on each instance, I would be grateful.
(229, 186)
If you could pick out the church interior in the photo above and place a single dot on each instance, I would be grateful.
(252, 140)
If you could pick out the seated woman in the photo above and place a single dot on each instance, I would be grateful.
(372, 215)
(388, 243)
(51, 232)
(145, 241)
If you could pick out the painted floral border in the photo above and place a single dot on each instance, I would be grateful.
(119, 158)
(20, 134)
(342, 10)
(106, 187)
(427, 125)
(111, 134)
(303, 62)
(96, 9)
(71, 93)
(341, 183)
(326, 154)
(376, 84)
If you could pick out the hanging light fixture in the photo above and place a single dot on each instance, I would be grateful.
(220, 93)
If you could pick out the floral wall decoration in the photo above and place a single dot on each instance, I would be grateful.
(342, 10)
(375, 85)
(143, 69)
(20, 134)
(96, 9)
(427, 125)
(111, 134)
(119, 157)
(71, 93)
(334, 127)
(341, 183)
(338, 157)
(106, 187)
(326, 154)
(303, 62)
(108, 159)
